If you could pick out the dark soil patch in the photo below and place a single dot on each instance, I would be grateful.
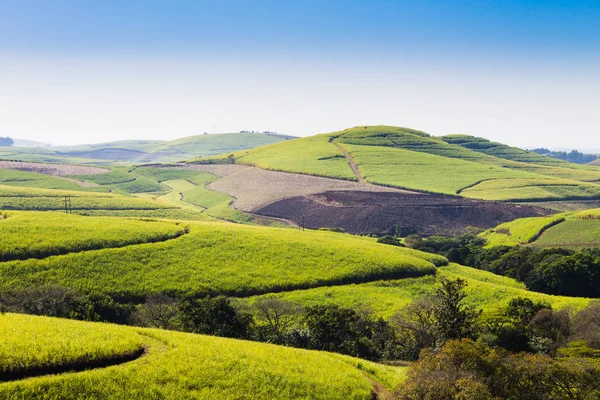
(383, 212)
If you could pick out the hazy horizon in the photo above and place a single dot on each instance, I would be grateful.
(521, 73)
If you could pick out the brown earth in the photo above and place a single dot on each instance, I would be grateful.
(52, 169)
(364, 212)
(254, 188)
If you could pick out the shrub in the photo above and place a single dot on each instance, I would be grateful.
(214, 316)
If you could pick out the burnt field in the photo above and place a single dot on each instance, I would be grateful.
(363, 212)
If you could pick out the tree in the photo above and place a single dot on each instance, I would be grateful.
(415, 327)
(523, 310)
(159, 311)
(214, 316)
(6, 141)
(463, 369)
(278, 316)
(341, 330)
(453, 319)
(391, 240)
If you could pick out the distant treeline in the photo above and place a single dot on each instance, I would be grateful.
(574, 156)
(6, 141)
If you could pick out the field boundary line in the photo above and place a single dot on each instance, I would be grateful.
(350, 160)
(66, 252)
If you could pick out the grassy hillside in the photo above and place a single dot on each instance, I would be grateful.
(313, 156)
(573, 234)
(456, 164)
(36, 235)
(568, 230)
(222, 258)
(175, 365)
(521, 231)
(485, 290)
(35, 180)
(145, 151)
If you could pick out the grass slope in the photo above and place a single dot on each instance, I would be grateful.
(33, 344)
(182, 366)
(573, 234)
(569, 230)
(35, 199)
(146, 151)
(456, 164)
(485, 290)
(313, 156)
(36, 235)
(520, 231)
(223, 258)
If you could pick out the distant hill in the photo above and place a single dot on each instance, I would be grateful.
(406, 158)
(143, 151)
(29, 143)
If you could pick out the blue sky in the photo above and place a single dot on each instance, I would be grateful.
(522, 72)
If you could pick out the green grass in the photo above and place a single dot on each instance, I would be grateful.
(313, 156)
(36, 235)
(421, 171)
(115, 176)
(223, 258)
(184, 366)
(533, 189)
(573, 234)
(589, 214)
(485, 290)
(30, 344)
(500, 150)
(35, 199)
(456, 164)
(520, 231)
(34, 180)
(152, 151)
(164, 213)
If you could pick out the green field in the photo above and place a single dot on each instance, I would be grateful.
(34, 180)
(568, 230)
(485, 290)
(572, 234)
(21, 198)
(34, 344)
(36, 235)
(589, 214)
(520, 231)
(142, 151)
(223, 258)
(313, 156)
(457, 164)
(175, 365)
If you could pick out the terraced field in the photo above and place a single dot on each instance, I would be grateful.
(521, 231)
(573, 234)
(485, 290)
(173, 365)
(26, 235)
(456, 164)
(574, 230)
(222, 258)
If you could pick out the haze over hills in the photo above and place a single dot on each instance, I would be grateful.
(141, 151)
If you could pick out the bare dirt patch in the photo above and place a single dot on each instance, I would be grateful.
(254, 188)
(52, 169)
(388, 212)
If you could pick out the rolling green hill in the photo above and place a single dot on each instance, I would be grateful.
(213, 258)
(405, 158)
(485, 290)
(135, 363)
(568, 230)
(144, 151)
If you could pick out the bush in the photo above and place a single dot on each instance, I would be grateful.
(214, 316)
(391, 240)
